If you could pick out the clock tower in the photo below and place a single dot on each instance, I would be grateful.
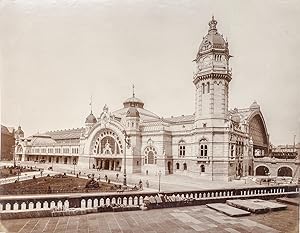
(212, 79)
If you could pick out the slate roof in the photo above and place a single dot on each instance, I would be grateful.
(181, 119)
(66, 134)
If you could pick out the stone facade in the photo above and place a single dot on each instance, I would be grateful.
(214, 141)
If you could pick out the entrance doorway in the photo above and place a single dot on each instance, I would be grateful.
(170, 168)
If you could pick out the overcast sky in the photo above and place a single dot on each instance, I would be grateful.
(56, 54)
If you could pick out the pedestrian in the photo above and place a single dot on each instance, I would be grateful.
(117, 176)
(147, 183)
(106, 178)
(141, 184)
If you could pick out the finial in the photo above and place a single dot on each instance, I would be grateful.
(133, 94)
(212, 24)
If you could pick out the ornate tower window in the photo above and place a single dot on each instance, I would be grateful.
(150, 155)
(181, 148)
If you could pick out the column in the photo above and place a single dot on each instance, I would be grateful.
(115, 165)
(109, 164)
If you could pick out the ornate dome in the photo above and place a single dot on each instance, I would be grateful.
(254, 106)
(19, 132)
(213, 39)
(91, 119)
(133, 102)
(132, 112)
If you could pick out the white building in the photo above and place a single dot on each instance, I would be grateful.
(213, 142)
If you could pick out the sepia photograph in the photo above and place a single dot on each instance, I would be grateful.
(150, 116)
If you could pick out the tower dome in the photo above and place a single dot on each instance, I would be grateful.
(19, 132)
(91, 119)
(132, 112)
(213, 39)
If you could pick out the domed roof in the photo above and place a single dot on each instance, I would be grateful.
(254, 106)
(213, 39)
(133, 102)
(91, 119)
(19, 131)
(132, 112)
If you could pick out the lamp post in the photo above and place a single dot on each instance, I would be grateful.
(74, 163)
(18, 170)
(159, 175)
(127, 143)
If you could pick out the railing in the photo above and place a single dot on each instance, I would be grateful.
(88, 200)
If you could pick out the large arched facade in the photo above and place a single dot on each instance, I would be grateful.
(259, 134)
(104, 146)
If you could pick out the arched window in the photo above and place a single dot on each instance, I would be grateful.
(150, 155)
(203, 148)
(203, 88)
(184, 166)
(202, 168)
(177, 166)
(181, 149)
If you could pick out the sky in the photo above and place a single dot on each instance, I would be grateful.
(56, 54)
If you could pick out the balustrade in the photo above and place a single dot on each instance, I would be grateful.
(44, 202)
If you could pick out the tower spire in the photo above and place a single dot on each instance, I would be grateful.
(133, 94)
(91, 103)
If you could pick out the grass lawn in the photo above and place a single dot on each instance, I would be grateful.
(54, 184)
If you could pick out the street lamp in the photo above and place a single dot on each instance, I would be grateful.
(19, 170)
(74, 163)
(127, 143)
(159, 175)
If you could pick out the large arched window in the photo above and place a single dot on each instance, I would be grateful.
(184, 166)
(181, 149)
(177, 166)
(107, 142)
(150, 155)
(203, 152)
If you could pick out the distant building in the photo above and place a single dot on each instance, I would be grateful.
(213, 141)
(285, 151)
(7, 143)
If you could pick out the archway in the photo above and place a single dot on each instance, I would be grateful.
(285, 171)
(262, 171)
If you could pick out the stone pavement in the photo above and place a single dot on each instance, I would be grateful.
(181, 220)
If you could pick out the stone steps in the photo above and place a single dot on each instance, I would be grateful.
(271, 205)
(228, 210)
(248, 206)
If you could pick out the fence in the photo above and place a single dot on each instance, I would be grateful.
(88, 200)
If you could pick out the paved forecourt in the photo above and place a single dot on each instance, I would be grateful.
(181, 220)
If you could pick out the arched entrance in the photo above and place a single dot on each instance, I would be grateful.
(285, 171)
(262, 171)
(170, 169)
